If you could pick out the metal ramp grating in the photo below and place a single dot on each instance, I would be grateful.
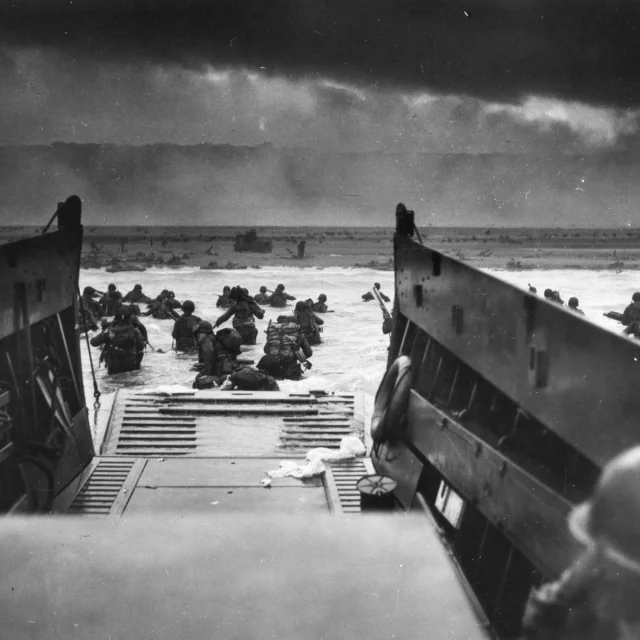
(101, 490)
(340, 481)
(184, 423)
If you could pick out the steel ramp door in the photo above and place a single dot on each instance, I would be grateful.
(275, 577)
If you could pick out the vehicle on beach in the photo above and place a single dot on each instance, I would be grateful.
(485, 421)
(249, 242)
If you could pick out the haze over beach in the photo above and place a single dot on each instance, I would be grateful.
(475, 113)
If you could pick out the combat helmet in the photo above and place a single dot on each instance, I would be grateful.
(188, 306)
(611, 518)
(322, 297)
(573, 302)
(636, 296)
(263, 289)
(203, 327)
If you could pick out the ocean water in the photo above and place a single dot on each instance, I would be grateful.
(354, 350)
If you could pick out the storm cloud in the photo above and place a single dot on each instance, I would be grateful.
(497, 50)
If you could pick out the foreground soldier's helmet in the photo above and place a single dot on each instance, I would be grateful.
(263, 289)
(322, 297)
(573, 302)
(112, 287)
(203, 327)
(636, 296)
(281, 287)
(138, 286)
(187, 305)
(611, 517)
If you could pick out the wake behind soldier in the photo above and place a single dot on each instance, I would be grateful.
(243, 312)
(123, 344)
(367, 297)
(597, 597)
(184, 327)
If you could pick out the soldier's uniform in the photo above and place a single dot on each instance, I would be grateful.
(123, 346)
(286, 346)
(136, 295)
(243, 312)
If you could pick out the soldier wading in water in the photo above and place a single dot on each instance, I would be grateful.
(243, 312)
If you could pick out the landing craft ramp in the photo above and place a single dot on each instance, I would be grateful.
(209, 450)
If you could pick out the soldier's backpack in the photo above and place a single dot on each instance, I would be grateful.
(283, 339)
(248, 379)
(123, 338)
(230, 340)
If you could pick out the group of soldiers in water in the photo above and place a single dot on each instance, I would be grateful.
(573, 303)
(287, 349)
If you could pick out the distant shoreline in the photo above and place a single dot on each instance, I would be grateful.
(503, 249)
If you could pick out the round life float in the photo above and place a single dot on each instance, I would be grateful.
(391, 399)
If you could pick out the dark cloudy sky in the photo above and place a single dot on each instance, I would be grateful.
(480, 75)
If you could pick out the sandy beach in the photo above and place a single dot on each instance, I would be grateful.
(367, 247)
(512, 249)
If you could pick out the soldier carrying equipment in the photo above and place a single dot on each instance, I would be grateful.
(243, 312)
(285, 349)
(123, 344)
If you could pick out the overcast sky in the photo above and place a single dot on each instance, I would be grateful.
(481, 75)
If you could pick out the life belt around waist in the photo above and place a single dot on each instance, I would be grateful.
(391, 399)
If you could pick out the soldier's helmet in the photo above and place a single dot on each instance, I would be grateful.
(187, 305)
(112, 287)
(226, 290)
(263, 289)
(300, 305)
(203, 327)
(138, 286)
(322, 297)
(89, 291)
(281, 287)
(376, 285)
(548, 293)
(611, 518)
(573, 302)
(636, 296)
(135, 309)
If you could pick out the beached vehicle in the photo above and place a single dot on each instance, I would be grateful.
(485, 420)
(249, 242)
